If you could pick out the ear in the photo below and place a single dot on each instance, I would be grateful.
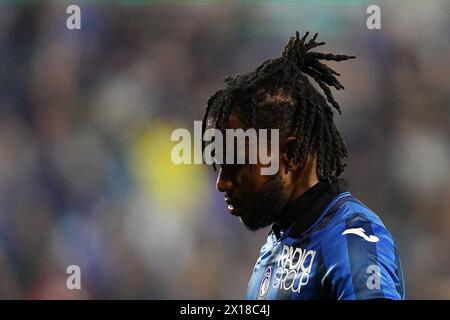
(289, 154)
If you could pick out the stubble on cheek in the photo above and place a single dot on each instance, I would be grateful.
(263, 209)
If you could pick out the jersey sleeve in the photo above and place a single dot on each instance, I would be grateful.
(361, 261)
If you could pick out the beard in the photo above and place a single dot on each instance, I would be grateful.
(264, 209)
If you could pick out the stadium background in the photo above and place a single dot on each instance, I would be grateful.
(85, 123)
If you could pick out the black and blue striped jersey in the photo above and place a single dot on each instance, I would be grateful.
(328, 245)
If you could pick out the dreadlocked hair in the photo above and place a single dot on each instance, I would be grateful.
(278, 94)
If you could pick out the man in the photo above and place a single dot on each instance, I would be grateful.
(323, 242)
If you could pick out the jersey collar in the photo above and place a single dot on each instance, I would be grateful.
(304, 211)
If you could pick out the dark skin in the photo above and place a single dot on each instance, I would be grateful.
(259, 199)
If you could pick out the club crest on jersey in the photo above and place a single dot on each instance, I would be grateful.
(265, 283)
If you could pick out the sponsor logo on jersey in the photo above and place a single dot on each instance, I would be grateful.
(293, 268)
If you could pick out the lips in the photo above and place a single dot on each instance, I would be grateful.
(233, 207)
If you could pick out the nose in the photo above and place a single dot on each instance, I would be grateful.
(223, 183)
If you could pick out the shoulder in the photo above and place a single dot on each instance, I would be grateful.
(357, 245)
(352, 217)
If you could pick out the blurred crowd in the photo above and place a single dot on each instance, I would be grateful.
(85, 121)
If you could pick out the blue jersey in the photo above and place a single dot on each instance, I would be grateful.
(328, 245)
